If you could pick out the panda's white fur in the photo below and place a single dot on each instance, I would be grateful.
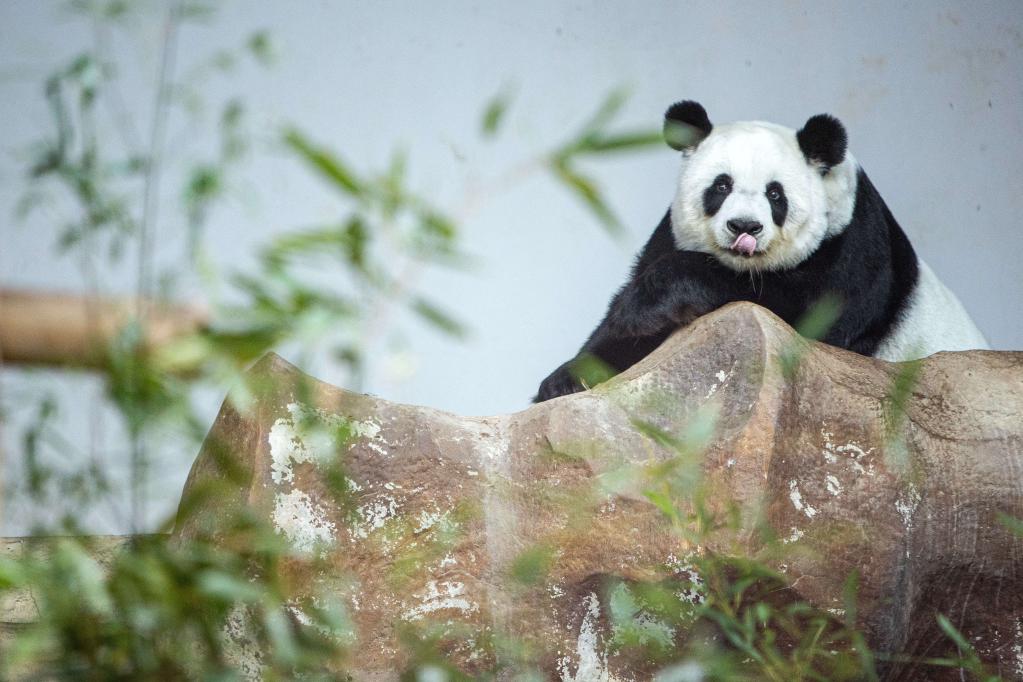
(933, 320)
(731, 235)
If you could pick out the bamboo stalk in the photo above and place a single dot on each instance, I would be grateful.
(68, 330)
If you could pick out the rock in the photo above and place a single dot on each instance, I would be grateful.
(512, 527)
(18, 606)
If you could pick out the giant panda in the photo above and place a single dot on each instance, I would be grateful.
(779, 217)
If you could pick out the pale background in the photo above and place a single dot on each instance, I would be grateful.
(930, 93)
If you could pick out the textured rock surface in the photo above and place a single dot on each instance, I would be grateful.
(441, 506)
(18, 606)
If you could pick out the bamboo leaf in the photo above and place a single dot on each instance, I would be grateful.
(227, 587)
(664, 504)
(494, 113)
(438, 318)
(327, 164)
(952, 633)
(657, 434)
(591, 370)
(618, 142)
(821, 317)
(532, 565)
(262, 47)
(587, 192)
(607, 110)
(438, 227)
(1015, 525)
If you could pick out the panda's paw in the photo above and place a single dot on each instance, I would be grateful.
(560, 382)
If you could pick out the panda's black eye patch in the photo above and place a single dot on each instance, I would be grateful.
(716, 193)
(775, 194)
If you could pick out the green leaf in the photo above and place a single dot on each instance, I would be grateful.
(895, 405)
(950, 630)
(438, 318)
(657, 434)
(607, 110)
(197, 10)
(356, 238)
(83, 575)
(348, 240)
(437, 227)
(618, 142)
(223, 61)
(532, 565)
(493, 115)
(281, 636)
(695, 437)
(1014, 524)
(393, 196)
(204, 183)
(262, 47)
(591, 370)
(111, 9)
(663, 503)
(622, 604)
(227, 587)
(12, 573)
(587, 192)
(326, 163)
(232, 113)
(32, 199)
(762, 612)
(820, 318)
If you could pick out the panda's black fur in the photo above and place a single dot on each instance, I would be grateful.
(869, 267)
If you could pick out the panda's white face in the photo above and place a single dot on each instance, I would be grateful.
(748, 196)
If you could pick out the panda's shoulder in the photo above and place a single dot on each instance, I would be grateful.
(661, 242)
(932, 320)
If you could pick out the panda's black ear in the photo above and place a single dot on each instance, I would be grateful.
(823, 141)
(686, 125)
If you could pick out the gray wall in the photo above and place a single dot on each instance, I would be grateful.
(930, 93)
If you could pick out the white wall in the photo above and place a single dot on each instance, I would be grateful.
(929, 92)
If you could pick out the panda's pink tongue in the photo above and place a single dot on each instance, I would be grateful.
(745, 243)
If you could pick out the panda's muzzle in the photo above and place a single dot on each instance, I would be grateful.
(750, 227)
(745, 232)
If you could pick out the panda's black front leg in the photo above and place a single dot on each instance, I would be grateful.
(665, 296)
(617, 350)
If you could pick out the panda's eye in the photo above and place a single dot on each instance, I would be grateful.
(721, 187)
(773, 195)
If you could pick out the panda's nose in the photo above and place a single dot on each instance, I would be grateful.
(750, 227)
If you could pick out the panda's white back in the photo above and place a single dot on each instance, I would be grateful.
(934, 320)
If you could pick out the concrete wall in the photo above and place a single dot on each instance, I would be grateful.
(930, 93)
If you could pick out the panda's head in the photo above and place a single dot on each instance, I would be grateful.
(759, 196)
